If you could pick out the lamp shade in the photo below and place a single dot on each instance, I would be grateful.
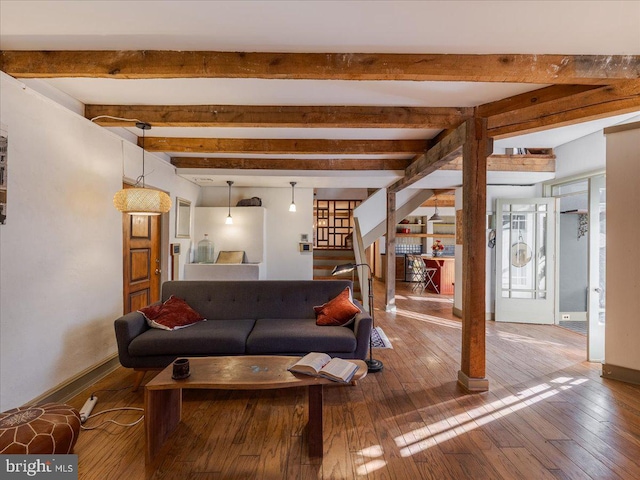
(435, 217)
(142, 201)
(345, 268)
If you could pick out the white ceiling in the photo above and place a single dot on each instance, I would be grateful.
(535, 27)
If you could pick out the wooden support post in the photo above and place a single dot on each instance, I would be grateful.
(314, 426)
(390, 278)
(474, 198)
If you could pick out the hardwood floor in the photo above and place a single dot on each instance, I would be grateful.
(548, 415)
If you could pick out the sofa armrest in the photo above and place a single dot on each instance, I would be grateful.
(127, 328)
(362, 328)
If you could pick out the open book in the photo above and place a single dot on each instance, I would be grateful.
(322, 365)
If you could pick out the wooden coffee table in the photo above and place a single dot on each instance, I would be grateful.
(163, 395)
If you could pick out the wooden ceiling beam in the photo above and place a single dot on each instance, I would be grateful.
(580, 106)
(279, 116)
(291, 164)
(495, 163)
(443, 200)
(529, 99)
(139, 64)
(447, 149)
(512, 163)
(282, 146)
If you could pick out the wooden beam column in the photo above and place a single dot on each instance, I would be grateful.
(390, 248)
(474, 198)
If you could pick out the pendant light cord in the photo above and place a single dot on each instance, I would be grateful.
(143, 132)
(142, 126)
(229, 182)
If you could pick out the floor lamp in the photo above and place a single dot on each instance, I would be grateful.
(372, 364)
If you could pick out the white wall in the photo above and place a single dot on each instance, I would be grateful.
(283, 257)
(342, 194)
(585, 154)
(246, 233)
(61, 249)
(622, 329)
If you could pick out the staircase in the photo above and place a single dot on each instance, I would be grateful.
(325, 260)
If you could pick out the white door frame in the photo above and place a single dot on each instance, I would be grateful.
(593, 351)
(595, 327)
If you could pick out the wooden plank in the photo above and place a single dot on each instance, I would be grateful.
(580, 107)
(459, 227)
(437, 156)
(281, 146)
(137, 64)
(511, 163)
(279, 116)
(529, 99)
(474, 191)
(291, 164)
(443, 200)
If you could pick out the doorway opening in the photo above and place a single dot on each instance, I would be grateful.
(581, 245)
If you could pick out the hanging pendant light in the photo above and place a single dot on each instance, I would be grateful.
(292, 207)
(436, 216)
(140, 200)
(229, 220)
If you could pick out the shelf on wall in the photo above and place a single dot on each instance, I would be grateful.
(427, 235)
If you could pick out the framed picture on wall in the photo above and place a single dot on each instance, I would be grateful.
(183, 218)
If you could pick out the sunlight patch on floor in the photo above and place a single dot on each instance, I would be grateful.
(430, 319)
(371, 460)
(432, 299)
(421, 439)
(514, 337)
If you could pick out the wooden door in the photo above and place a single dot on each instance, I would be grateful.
(141, 260)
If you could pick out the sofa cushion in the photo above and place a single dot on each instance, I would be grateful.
(214, 337)
(339, 311)
(173, 314)
(296, 336)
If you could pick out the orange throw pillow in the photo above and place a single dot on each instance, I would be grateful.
(173, 314)
(339, 311)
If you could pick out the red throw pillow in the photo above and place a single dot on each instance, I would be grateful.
(339, 311)
(173, 314)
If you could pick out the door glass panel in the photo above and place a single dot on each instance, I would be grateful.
(524, 251)
(602, 249)
(572, 188)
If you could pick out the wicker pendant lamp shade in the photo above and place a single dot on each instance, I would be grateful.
(140, 200)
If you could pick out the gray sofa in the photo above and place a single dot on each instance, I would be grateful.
(250, 317)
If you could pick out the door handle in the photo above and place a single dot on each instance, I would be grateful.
(158, 271)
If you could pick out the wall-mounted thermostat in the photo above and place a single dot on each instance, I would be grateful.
(306, 247)
(175, 249)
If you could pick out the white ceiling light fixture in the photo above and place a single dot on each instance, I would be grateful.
(229, 220)
(436, 216)
(292, 207)
(140, 200)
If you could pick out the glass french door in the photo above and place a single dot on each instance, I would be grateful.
(597, 268)
(525, 270)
